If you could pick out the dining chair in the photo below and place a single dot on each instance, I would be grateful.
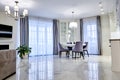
(61, 49)
(85, 49)
(78, 49)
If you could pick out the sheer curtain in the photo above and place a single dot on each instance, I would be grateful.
(40, 36)
(90, 34)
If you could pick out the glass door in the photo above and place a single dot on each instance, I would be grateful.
(90, 34)
(40, 37)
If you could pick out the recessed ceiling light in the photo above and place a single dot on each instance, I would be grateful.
(102, 9)
(100, 4)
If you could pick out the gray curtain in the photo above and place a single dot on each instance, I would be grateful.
(99, 34)
(81, 29)
(24, 31)
(55, 37)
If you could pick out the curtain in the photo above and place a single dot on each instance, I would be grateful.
(40, 36)
(24, 31)
(55, 37)
(99, 33)
(81, 29)
(90, 34)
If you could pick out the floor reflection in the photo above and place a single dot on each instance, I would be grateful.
(55, 68)
(22, 68)
(93, 71)
(41, 68)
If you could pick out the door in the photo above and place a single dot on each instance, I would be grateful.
(90, 34)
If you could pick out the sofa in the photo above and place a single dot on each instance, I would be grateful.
(7, 63)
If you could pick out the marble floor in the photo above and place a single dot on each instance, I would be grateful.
(55, 68)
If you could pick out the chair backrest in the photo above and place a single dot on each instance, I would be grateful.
(86, 46)
(60, 48)
(78, 46)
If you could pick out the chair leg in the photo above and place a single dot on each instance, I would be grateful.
(82, 54)
(60, 54)
(67, 54)
(75, 54)
(72, 54)
(87, 53)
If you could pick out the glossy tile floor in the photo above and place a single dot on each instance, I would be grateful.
(55, 68)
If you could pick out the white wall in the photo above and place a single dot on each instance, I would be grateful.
(4, 19)
(112, 18)
(114, 29)
(105, 29)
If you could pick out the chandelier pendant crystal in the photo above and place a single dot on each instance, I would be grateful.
(16, 11)
(73, 24)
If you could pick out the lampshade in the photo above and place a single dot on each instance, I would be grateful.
(16, 11)
(73, 24)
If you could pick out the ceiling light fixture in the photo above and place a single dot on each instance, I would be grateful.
(101, 8)
(100, 4)
(73, 24)
(16, 11)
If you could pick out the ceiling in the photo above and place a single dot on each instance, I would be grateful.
(62, 9)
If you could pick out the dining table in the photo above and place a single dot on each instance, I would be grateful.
(70, 46)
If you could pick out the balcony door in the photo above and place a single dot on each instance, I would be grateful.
(90, 34)
(40, 37)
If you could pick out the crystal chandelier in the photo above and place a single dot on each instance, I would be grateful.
(73, 24)
(16, 11)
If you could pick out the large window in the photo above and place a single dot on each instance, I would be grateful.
(90, 34)
(40, 36)
(67, 34)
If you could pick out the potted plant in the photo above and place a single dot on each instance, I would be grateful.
(23, 50)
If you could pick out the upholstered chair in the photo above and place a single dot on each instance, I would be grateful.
(78, 49)
(61, 49)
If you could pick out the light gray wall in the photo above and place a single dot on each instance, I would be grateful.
(105, 29)
(112, 19)
(4, 19)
